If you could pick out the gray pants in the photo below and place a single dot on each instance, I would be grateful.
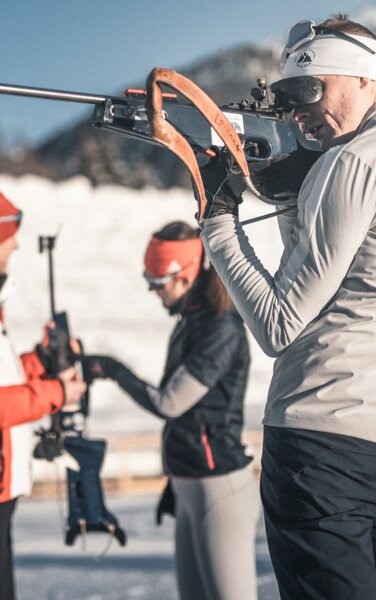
(215, 536)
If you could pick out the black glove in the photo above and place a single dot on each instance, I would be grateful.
(166, 504)
(100, 367)
(283, 176)
(224, 185)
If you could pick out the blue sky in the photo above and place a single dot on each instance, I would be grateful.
(102, 46)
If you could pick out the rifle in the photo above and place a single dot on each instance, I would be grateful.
(60, 357)
(263, 125)
(188, 122)
(87, 511)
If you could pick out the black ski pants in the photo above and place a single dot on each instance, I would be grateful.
(319, 496)
(6, 562)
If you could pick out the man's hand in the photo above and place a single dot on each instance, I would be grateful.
(282, 177)
(73, 388)
(223, 184)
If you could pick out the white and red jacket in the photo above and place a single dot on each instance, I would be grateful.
(25, 396)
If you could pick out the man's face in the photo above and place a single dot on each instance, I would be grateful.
(336, 116)
(6, 249)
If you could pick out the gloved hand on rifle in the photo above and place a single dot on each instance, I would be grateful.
(101, 367)
(223, 185)
(282, 177)
(279, 179)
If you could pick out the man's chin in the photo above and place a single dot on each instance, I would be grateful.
(332, 141)
(329, 142)
(325, 137)
(325, 141)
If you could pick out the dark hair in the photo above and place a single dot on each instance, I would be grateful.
(177, 230)
(341, 22)
(215, 292)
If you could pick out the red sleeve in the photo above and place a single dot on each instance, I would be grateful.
(32, 365)
(29, 401)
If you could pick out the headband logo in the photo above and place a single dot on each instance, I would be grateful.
(173, 267)
(305, 59)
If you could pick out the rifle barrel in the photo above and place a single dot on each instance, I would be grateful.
(22, 90)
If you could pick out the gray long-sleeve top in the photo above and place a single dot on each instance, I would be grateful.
(317, 315)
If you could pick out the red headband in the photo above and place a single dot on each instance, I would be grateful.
(165, 257)
(10, 218)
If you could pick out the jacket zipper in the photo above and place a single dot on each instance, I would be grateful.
(207, 448)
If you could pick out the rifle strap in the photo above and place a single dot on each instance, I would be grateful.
(163, 132)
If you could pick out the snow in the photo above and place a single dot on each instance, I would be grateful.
(143, 570)
(102, 234)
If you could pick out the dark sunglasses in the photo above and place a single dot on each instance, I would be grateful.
(294, 91)
(158, 283)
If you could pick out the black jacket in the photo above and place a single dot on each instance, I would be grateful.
(205, 440)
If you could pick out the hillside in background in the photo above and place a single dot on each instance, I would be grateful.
(109, 158)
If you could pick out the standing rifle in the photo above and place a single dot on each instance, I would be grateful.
(59, 356)
(87, 511)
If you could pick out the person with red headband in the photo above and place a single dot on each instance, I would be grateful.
(212, 490)
(317, 317)
(26, 394)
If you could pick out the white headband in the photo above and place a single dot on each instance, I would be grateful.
(328, 55)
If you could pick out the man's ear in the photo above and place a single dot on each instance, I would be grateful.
(363, 82)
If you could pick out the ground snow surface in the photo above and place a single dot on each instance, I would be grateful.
(143, 570)
(102, 234)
